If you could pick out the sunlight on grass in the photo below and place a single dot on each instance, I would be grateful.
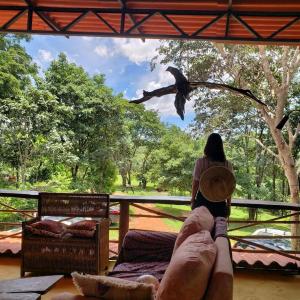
(236, 214)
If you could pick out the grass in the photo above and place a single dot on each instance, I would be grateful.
(236, 214)
(114, 234)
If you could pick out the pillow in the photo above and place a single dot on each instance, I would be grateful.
(84, 225)
(48, 228)
(187, 275)
(112, 288)
(43, 232)
(85, 228)
(49, 225)
(199, 219)
(81, 233)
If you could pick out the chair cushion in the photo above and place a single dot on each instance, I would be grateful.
(187, 275)
(48, 228)
(49, 225)
(84, 228)
(199, 219)
(83, 225)
(112, 288)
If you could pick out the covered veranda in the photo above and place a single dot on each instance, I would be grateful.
(235, 21)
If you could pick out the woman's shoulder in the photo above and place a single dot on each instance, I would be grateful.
(201, 159)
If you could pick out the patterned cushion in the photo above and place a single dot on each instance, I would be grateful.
(49, 225)
(42, 232)
(81, 233)
(112, 288)
(48, 228)
(84, 225)
(84, 229)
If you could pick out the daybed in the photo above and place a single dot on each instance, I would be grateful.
(150, 252)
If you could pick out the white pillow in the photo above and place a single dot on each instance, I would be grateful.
(112, 288)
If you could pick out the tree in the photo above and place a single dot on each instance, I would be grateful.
(173, 162)
(272, 73)
(25, 108)
(89, 122)
(143, 131)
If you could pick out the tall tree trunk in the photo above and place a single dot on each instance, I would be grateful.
(74, 171)
(283, 185)
(129, 176)
(289, 166)
(18, 177)
(274, 180)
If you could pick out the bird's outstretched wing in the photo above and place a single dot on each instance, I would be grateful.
(179, 104)
(181, 82)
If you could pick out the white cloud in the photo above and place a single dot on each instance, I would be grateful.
(136, 50)
(70, 57)
(45, 55)
(88, 38)
(103, 51)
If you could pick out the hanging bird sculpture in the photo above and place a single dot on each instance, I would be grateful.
(183, 89)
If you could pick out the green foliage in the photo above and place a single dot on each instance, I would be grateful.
(173, 162)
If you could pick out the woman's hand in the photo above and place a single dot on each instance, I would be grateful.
(228, 207)
(192, 202)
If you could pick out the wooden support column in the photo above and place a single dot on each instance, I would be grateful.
(124, 221)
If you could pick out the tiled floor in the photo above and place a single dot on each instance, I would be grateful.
(248, 285)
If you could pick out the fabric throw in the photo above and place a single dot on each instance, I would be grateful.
(141, 246)
(112, 288)
(188, 273)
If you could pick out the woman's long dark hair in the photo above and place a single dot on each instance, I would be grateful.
(214, 148)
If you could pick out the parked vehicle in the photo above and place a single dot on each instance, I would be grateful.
(114, 214)
(276, 244)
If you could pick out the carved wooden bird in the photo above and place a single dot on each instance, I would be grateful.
(183, 89)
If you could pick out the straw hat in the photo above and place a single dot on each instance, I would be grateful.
(217, 183)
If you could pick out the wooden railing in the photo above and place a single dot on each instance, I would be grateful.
(142, 203)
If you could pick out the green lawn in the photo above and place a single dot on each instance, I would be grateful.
(114, 234)
(236, 214)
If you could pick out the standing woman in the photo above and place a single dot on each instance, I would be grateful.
(213, 156)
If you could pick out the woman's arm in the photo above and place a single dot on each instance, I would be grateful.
(229, 199)
(196, 179)
(195, 186)
(228, 207)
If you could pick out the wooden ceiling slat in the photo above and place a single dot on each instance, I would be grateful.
(245, 20)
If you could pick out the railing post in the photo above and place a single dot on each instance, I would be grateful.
(124, 221)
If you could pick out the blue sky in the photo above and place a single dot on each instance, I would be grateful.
(124, 62)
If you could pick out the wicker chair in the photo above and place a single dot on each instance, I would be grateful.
(67, 254)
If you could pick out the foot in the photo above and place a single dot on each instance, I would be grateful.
(220, 227)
